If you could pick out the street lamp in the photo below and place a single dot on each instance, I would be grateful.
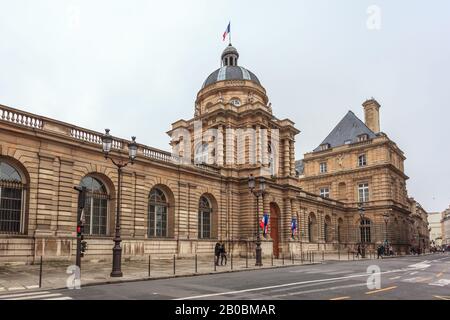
(257, 194)
(132, 153)
(386, 220)
(361, 212)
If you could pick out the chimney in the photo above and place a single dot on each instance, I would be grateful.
(372, 114)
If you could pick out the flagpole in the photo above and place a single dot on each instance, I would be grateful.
(229, 36)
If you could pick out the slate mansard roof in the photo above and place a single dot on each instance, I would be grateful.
(347, 131)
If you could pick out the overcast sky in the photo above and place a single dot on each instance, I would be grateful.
(136, 67)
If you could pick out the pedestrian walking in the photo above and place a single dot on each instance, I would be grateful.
(358, 251)
(379, 251)
(217, 253)
(223, 254)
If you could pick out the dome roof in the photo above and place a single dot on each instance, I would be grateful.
(230, 69)
(230, 73)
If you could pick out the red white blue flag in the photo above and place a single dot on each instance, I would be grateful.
(227, 31)
(293, 227)
(264, 223)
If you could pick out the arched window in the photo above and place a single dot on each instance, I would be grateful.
(365, 231)
(271, 159)
(12, 203)
(201, 153)
(312, 228)
(204, 218)
(157, 213)
(96, 207)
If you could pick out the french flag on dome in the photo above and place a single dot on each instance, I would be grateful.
(227, 31)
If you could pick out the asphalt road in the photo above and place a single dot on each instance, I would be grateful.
(420, 277)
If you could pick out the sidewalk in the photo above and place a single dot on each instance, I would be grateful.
(55, 275)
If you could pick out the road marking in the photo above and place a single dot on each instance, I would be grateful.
(2, 289)
(50, 295)
(287, 285)
(413, 273)
(339, 272)
(319, 290)
(439, 274)
(395, 278)
(381, 290)
(16, 288)
(440, 283)
(340, 298)
(41, 295)
(4, 296)
(60, 298)
(33, 286)
(443, 297)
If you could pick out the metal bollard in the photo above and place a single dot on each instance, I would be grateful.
(339, 254)
(323, 255)
(271, 258)
(195, 263)
(215, 265)
(149, 264)
(348, 258)
(246, 260)
(313, 257)
(40, 274)
(283, 259)
(231, 261)
(173, 264)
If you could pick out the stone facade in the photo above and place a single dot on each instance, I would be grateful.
(434, 219)
(233, 135)
(446, 227)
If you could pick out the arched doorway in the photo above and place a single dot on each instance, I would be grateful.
(274, 227)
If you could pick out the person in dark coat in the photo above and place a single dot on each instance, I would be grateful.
(223, 254)
(217, 253)
(359, 252)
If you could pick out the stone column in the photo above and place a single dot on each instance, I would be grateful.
(287, 216)
(286, 169)
(292, 157)
(258, 145)
(46, 198)
(220, 153)
(66, 197)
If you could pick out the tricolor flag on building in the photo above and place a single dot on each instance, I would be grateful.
(264, 223)
(227, 31)
(293, 227)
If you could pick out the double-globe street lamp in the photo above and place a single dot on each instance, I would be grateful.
(132, 152)
(386, 220)
(361, 212)
(257, 194)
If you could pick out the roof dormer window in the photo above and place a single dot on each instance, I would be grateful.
(363, 137)
(325, 146)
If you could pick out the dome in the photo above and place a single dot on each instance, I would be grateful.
(230, 73)
(230, 69)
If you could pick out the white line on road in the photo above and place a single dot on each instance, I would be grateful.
(287, 285)
(50, 295)
(395, 278)
(16, 288)
(22, 294)
(319, 290)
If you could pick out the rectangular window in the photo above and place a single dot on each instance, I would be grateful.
(363, 192)
(362, 160)
(325, 192)
(323, 167)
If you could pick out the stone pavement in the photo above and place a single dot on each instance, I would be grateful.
(57, 274)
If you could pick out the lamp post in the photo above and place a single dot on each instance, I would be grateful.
(132, 152)
(386, 220)
(257, 194)
(361, 212)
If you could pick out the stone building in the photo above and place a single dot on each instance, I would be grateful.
(434, 219)
(446, 227)
(182, 202)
